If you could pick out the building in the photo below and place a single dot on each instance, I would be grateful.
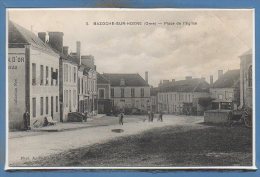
(68, 74)
(225, 90)
(33, 84)
(246, 80)
(129, 92)
(154, 99)
(177, 97)
(87, 81)
(104, 99)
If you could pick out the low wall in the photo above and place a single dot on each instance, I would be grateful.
(216, 116)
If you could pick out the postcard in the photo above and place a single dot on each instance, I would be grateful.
(130, 89)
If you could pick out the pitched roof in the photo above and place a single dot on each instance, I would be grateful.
(101, 79)
(188, 85)
(229, 80)
(130, 79)
(18, 35)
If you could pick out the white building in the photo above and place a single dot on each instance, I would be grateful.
(33, 70)
(129, 91)
(178, 96)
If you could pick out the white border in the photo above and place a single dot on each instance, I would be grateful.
(253, 167)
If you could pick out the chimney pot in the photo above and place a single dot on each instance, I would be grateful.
(211, 80)
(65, 50)
(42, 36)
(56, 40)
(146, 76)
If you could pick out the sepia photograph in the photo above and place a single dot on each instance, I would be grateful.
(130, 88)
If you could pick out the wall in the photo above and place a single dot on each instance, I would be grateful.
(216, 116)
(70, 89)
(245, 89)
(106, 88)
(227, 94)
(16, 87)
(131, 102)
(46, 90)
(172, 102)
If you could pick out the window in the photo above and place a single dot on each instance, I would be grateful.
(101, 93)
(47, 105)
(142, 92)
(47, 75)
(112, 92)
(74, 98)
(41, 75)
(250, 76)
(34, 107)
(33, 74)
(70, 99)
(132, 92)
(69, 75)
(51, 76)
(74, 71)
(66, 72)
(57, 75)
(57, 103)
(41, 105)
(220, 97)
(122, 92)
(82, 86)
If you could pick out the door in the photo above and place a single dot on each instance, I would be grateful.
(52, 107)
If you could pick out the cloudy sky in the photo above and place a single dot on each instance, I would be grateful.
(214, 41)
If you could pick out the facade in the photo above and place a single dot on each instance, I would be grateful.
(68, 74)
(246, 80)
(104, 100)
(87, 82)
(154, 99)
(129, 92)
(33, 70)
(177, 97)
(225, 90)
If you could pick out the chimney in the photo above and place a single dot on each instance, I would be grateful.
(42, 36)
(211, 80)
(65, 50)
(88, 60)
(56, 40)
(220, 73)
(166, 81)
(78, 48)
(188, 77)
(146, 76)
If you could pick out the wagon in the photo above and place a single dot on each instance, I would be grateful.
(244, 116)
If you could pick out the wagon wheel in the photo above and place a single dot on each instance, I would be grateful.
(247, 117)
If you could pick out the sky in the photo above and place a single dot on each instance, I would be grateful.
(213, 40)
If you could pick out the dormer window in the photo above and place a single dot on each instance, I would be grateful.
(122, 82)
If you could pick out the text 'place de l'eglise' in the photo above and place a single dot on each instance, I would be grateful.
(48, 82)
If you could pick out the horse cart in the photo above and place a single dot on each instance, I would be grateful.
(243, 115)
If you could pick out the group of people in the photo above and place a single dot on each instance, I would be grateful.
(150, 117)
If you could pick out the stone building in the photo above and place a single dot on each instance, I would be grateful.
(177, 97)
(68, 74)
(104, 99)
(246, 79)
(154, 99)
(33, 84)
(225, 90)
(87, 81)
(129, 92)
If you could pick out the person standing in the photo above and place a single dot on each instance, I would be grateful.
(121, 117)
(26, 120)
(160, 117)
(152, 115)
